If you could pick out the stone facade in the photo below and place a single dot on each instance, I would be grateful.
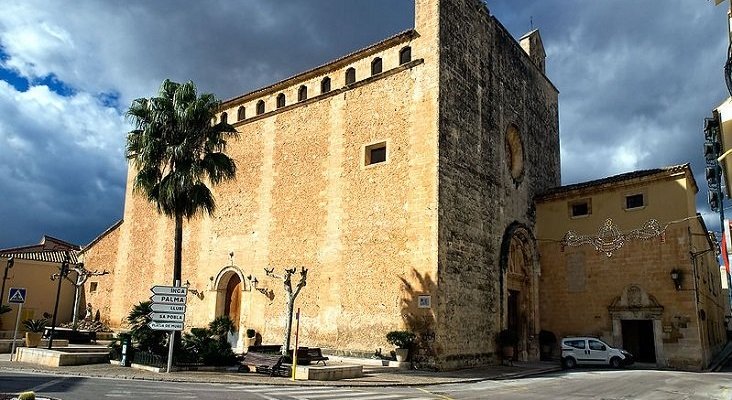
(431, 240)
(588, 292)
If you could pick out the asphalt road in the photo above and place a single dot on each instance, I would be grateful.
(585, 384)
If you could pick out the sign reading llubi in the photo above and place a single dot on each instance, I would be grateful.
(169, 308)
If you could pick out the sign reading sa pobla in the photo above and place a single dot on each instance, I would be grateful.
(169, 308)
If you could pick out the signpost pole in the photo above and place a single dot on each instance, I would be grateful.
(171, 341)
(15, 333)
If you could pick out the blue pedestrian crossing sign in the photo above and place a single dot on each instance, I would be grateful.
(16, 295)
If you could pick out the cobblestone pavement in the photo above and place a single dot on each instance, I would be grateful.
(373, 375)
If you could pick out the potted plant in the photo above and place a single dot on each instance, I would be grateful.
(508, 339)
(403, 341)
(547, 340)
(35, 328)
(251, 337)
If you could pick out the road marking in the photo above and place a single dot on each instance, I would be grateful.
(45, 385)
(435, 394)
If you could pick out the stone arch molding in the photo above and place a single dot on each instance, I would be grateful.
(635, 300)
(222, 278)
(519, 271)
(220, 287)
(636, 303)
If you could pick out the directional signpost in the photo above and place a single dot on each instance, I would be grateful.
(169, 312)
(17, 296)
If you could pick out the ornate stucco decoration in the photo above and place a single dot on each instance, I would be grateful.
(609, 238)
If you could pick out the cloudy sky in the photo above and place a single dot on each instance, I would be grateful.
(636, 80)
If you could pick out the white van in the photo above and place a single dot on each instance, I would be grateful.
(592, 351)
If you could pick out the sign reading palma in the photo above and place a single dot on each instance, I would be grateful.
(169, 308)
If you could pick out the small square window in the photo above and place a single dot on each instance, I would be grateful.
(634, 201)
(375, 153)
(93, 287)
(580, 208)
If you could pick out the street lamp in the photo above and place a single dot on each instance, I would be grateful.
(11, 262)
(62, 274)
(720, 159)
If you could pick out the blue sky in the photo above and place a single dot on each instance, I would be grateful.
(636, 81)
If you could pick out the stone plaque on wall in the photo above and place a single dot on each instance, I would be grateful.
(576, 277)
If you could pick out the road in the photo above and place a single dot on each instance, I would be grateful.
(585, 384)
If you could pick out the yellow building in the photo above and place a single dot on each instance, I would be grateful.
(638, 268)
(32, 267)
(402, 175)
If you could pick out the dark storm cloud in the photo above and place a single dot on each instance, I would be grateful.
(636, 80)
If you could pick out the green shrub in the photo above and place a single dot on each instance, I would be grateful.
(208, 346)
(146, 339)
(35, 325)
(400, 339)
(5, 309)
(221, 326)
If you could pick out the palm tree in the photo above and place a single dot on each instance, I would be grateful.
(176, 148)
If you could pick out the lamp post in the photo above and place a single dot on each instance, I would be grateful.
(11, 262)
(720, 159)
(62, 273)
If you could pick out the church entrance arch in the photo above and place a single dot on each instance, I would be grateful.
(519, 289)
(229, 297)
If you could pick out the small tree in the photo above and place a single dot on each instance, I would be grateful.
(291, 296)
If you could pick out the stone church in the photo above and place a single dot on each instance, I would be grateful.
(401, 175)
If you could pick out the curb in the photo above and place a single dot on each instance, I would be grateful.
(285, 381)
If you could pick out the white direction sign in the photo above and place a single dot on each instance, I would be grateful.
(165, 326)
(166, 317)
(172, 290)
(168, 299)
(169, 308)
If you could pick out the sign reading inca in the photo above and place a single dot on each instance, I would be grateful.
(169, 307)
(173, 290)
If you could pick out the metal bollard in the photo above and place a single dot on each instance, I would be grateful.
(125, 345)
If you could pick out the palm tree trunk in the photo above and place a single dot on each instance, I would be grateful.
(178, 250)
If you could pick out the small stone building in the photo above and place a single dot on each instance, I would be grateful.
(638, 268)
(402, 175)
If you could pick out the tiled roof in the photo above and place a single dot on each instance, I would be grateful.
(665, 171)
(50, 249)
(43, 256)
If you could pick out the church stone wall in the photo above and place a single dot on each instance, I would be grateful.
(487, 84)
(413, 243)
(303, 197)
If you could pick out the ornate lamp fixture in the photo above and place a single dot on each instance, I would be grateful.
(677, 276)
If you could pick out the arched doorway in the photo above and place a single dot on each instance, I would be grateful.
(519, 289)
(232, 301)
(229, 288)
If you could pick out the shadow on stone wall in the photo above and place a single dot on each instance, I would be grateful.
(420, 319)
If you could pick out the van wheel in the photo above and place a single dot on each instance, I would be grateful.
(615, 362)
(570, 363)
